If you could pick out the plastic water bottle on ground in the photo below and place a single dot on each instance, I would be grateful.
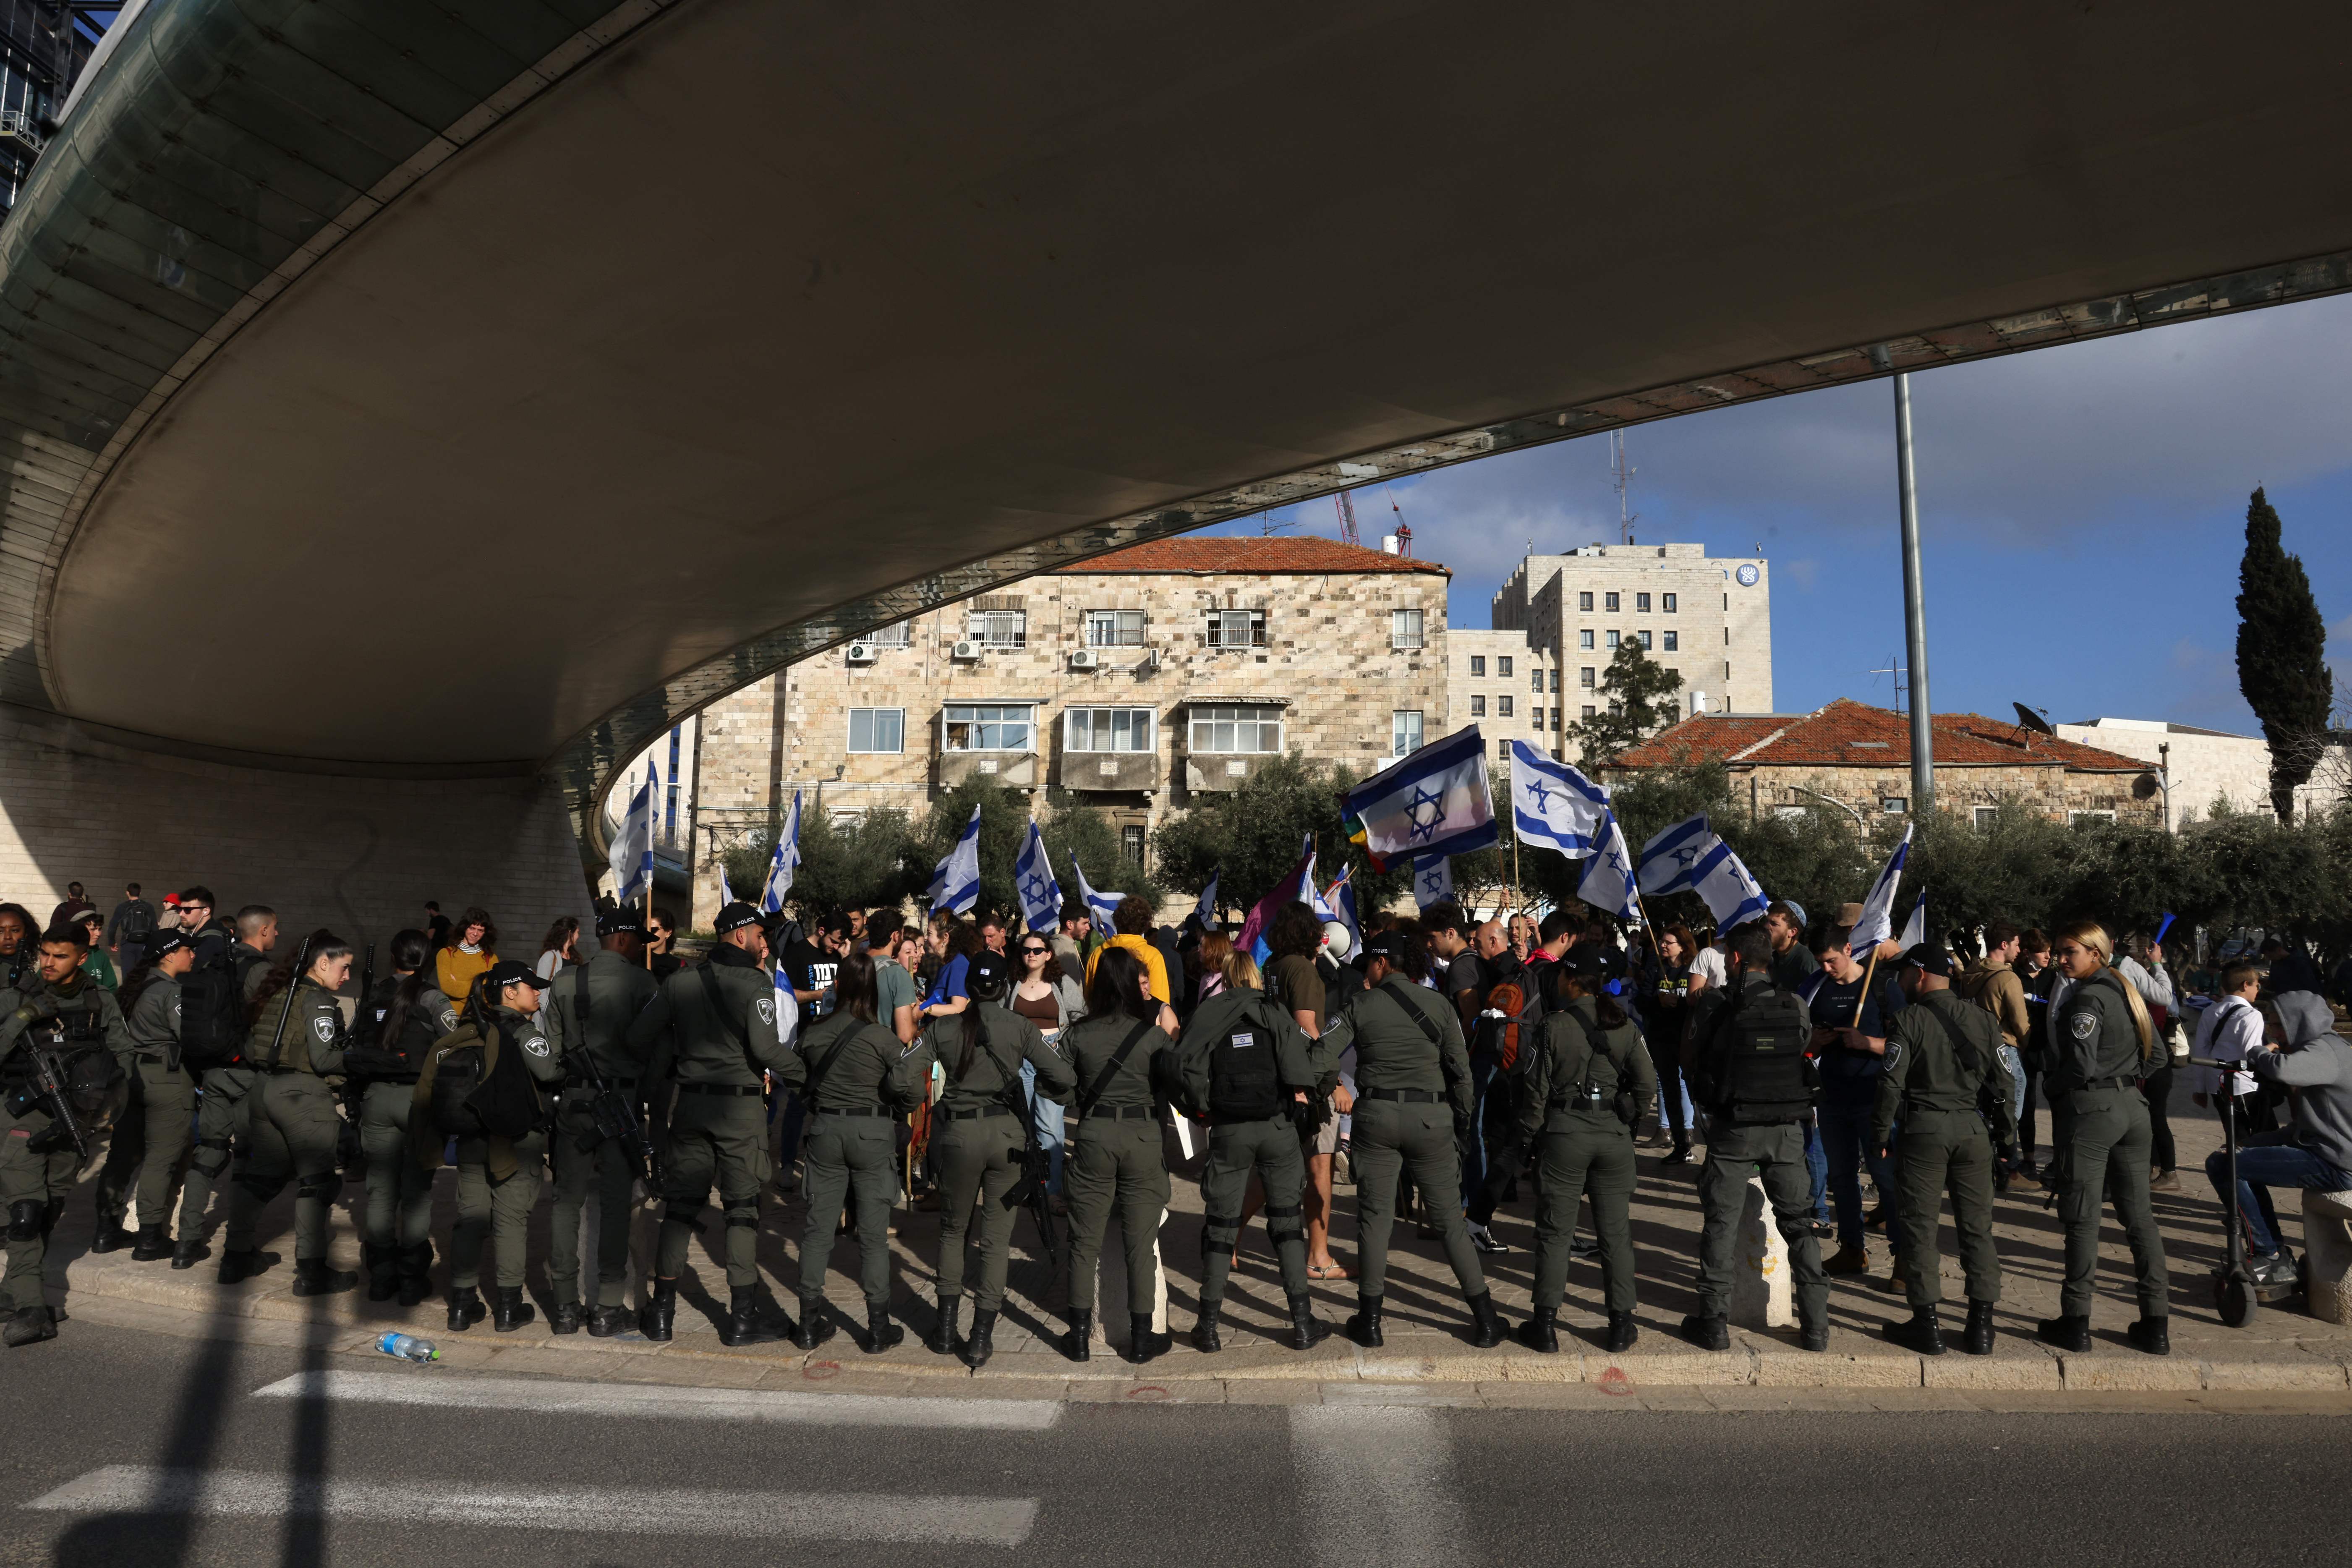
(407, 1347)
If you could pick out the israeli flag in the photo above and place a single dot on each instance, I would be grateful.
(726, 893)
(1433, 879)
(788, 1007)
(1434, 802)
(1032, 878)
(1207, 908)
(785, 863)
(955, 884)
(632, 855)
(1877, 923)
(1608, 881)
(1307, 893)
(1732, 893)
(1553, 805)
(1340, 896)
(1670, 859)
(1915, 930)
(1102, 906)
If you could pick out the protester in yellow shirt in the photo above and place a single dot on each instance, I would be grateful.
(1132, 919)
(472, 947)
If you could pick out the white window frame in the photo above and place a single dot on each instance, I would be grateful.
(1406, 730)
(1405, 629)
(1984, 817)
(1584, 639)
(1028, 722)
(897, 634)
(872, 724)
(1646, 640)
(1258, 717)
(1222, 627)
(1894, 804)
(997, 628)
(2095, 814)
(1115, 628)
(1083, 727)
(1615, 640)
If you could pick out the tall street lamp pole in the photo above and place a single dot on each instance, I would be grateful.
(1915, 611)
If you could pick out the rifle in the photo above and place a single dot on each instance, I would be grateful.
(610, 1114)
(1036, 1170)
(293, 983)
(50, 1078)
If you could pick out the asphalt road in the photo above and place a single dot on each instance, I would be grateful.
(129, 1449)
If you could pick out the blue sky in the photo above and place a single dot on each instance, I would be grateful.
(2082, 508)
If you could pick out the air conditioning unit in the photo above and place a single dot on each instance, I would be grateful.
(861, 653)
(1085, 658)
(1151, 659)
(967, 651)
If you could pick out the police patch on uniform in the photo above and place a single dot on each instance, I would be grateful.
(1243, 1041)
(1893, 1055)
(324, 1027)
(536, 1045)
(2085, 1025)
(766, 1007)
(449, 1017)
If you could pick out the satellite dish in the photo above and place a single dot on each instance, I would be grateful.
(2145, 787)
(2030, 719)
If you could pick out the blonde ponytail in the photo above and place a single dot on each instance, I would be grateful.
(2091, 934)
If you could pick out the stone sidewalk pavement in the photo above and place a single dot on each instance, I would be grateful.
(2282, 1350)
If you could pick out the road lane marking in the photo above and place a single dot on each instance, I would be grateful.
(1378, 1484)
(558, 1397)
(594, 1510)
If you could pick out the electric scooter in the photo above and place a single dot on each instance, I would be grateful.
(2235, 1289)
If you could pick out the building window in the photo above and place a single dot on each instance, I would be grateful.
(1986, 816)
(1236, 628)
(1584, 601)
(1503, 667)
(998, 628)
(1404, 630)
(1589, 711)
(1502, 707)
(1645, 639)
(1114, 628)
(1130, 841)
(1555, 682)
(1477, 708)
(1404, 731)
(1613, 639)
(669, 806)
(1667, 603)
(1609, 600)
(1501, 751)
(1107, 730)
(2090, 817)
(1584, 639)
(1642, 604)
(1478, 664)
(1236, 729)
(1674, 641)
(877, 728)
(996, 727)
(1894, 804)
(895, 634)
(1585, 678)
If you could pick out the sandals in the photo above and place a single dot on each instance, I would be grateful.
(1326, 1271)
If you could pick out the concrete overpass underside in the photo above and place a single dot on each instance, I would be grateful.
(409, 410)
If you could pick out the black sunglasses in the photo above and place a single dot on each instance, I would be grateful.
(1034, 952)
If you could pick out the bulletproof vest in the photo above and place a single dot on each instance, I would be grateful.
(1761, 1072)
(1245, 1082)
(454, 1081)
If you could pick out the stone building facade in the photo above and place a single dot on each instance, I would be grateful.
(2210, 769)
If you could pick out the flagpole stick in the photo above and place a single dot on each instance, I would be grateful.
(1864, 1000)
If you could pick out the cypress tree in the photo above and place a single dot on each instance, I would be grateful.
(2282, 655)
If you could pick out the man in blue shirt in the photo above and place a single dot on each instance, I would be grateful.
(1850, 1042)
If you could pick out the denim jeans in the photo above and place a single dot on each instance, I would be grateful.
(792, 1110)
(2270, 1159)
(2016, 1066)
(1845, 1139)
(1817, 1165)
(1049, 1128)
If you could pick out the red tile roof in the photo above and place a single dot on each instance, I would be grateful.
(1852, 734)
(1302, 556)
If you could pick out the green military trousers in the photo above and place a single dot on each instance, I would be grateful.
(220, 1118)
(1391, 1138)
(399, 1192)
(1940, 1149)
(722, 1140)
(850, 1158)
(977, 1158)
(291, 1129)
(1235, 1149)
(498, 1210)
(1115, 1166)
(33, 1187)
(1584, 1153)
(2102, 1140)
(1736, 1153)
(609, 1171)
(150, 1136)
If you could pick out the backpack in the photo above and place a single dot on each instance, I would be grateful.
(1510, 1037)
(1756, 1068)
(1234, 1057)
(456, 1076)
(138, 921)
(468, 1102)
(212, 1012)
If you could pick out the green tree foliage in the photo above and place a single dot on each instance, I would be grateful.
(870, 861)
(1249, 838)
(2282, 655)
(1638, 698)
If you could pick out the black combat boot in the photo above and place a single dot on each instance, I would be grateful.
(746, 1324)
(109, 1236)
(382, 1271)
(236, 1267)
(943, 1339)
(2068, 1333)
(2151, 1335)
(983, 1343)
(816, 1324)
(660, 1313)
(316, 1277)
(416, 1273)
(1486, 1326)
(603, 1321)
(1078, 1343)
(1303, 1330)
(1541, 1330)
(1621, 1332)
(29, 1326)
(1706, 1331)
(1924, 1333)
(1977, 1339)
(466, 1308)
(1812, 1336)
(1364, 1328)
(1204, 1331)
(564, 1318)
(189, 1252)
(155, 1242)
(509, 1310)
(881, 1333)
(1142, 1344)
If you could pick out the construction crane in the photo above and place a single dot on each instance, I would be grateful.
(1347, 519)
(1403, 531)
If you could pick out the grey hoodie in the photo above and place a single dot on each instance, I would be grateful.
(2317, 1063)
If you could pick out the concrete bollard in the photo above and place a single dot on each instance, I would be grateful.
(1761, 1293)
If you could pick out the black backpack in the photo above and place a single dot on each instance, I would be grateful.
(212, 1012)
(1245, 1083)
(1757, 1068)
(469, 1102)
(1512, 1040)
(138, 921)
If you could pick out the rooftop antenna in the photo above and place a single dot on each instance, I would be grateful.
(1347, 519)
(1622, 475)
(1895, 667)
(1267, 525)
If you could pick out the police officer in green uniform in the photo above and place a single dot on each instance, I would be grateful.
(1746, 1055)
(2102, 1043)
(1414, 1101)
(399, 1028)
(225, 1087)
(37, 1159)
(589, 1014)
(860, 1078)
(1247, 1064)
(1943, 1063)
(719, 1019)
(1589, 1082)
(1115, 1162)
(978, 1144)
(291, 1123)
(152, 1131)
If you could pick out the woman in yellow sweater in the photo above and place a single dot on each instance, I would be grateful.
(472, 948)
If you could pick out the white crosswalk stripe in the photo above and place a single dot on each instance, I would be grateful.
(1378, 1481)
(555, 1398)
(872, 1517)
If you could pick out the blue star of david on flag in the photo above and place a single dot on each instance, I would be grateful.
(1426, 812)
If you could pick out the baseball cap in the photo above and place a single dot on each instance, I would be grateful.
(620, 922)
(163, 943)
(988, 972)
(1930, 958)
(735, 917)
(514, 971)
(1389, 944)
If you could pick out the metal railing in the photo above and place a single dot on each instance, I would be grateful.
(24, 126)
